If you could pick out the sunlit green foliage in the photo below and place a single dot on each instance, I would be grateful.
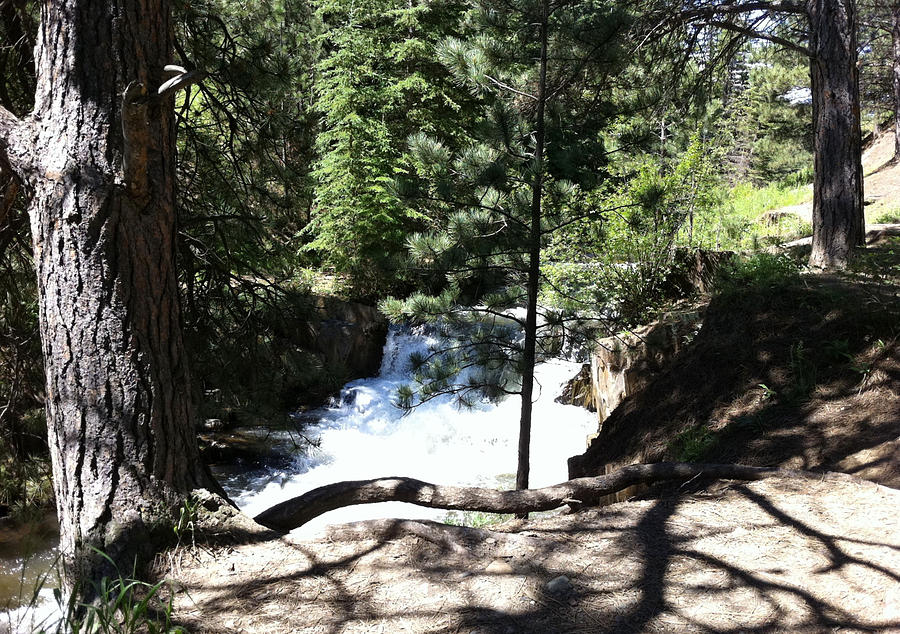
(378, 81)
(620, 265)
(477, 261)
(762, 271)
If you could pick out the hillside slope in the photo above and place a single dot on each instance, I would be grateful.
(803, 375)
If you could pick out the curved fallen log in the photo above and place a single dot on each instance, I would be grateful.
(297, 511)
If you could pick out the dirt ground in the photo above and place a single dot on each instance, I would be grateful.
(777, 555)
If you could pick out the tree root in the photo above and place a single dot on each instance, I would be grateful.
(297, 511)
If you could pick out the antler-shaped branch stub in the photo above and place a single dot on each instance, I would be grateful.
(182, 79)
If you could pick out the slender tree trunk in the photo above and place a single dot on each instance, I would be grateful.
(534, 267)
(895, 74)
(838, 220)
(97, 158)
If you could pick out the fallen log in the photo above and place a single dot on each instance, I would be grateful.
(293, 513)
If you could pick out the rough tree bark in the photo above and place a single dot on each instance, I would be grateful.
(96, 158)
(838, 219)
(895, 73)
(295, 512)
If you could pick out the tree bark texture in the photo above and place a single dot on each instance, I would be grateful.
(297, 511)
(838, 220)
(895, 73)
(97, 159)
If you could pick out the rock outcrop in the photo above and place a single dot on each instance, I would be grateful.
(626, 363)
(347, 336)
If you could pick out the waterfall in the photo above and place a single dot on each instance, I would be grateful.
(363, 435)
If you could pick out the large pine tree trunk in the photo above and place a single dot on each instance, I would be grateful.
(895, 73)
(838, 221)
(100, 172)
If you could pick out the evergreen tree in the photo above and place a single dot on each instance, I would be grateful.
(378, 81)
(245, 145)
(764, 121)
(544, 74)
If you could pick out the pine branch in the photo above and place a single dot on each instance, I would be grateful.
(509, 88)
(741, 8)
(750, 32)
(596, 213)
(464, 389)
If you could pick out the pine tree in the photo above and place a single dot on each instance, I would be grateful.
(377, 83)
(543, 73)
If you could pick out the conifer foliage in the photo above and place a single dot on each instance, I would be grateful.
(378, 81)
(539, 70)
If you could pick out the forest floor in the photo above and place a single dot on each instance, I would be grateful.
(776, 555)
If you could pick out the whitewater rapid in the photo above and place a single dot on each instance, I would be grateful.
(365, 435)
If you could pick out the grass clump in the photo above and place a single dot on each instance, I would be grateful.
(758, 272)
(892, 216)
(123, 605)
(693, 443)
(748, 201)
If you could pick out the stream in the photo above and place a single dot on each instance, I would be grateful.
(363, 435)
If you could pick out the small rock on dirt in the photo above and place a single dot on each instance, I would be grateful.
(499, 567)
(559, 585)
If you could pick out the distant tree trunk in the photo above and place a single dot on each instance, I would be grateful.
(99, 168)
(895, 66)
(838, 221)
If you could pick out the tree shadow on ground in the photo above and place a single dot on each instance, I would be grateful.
(769, 556)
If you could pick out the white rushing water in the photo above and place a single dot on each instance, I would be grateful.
(366, 436)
